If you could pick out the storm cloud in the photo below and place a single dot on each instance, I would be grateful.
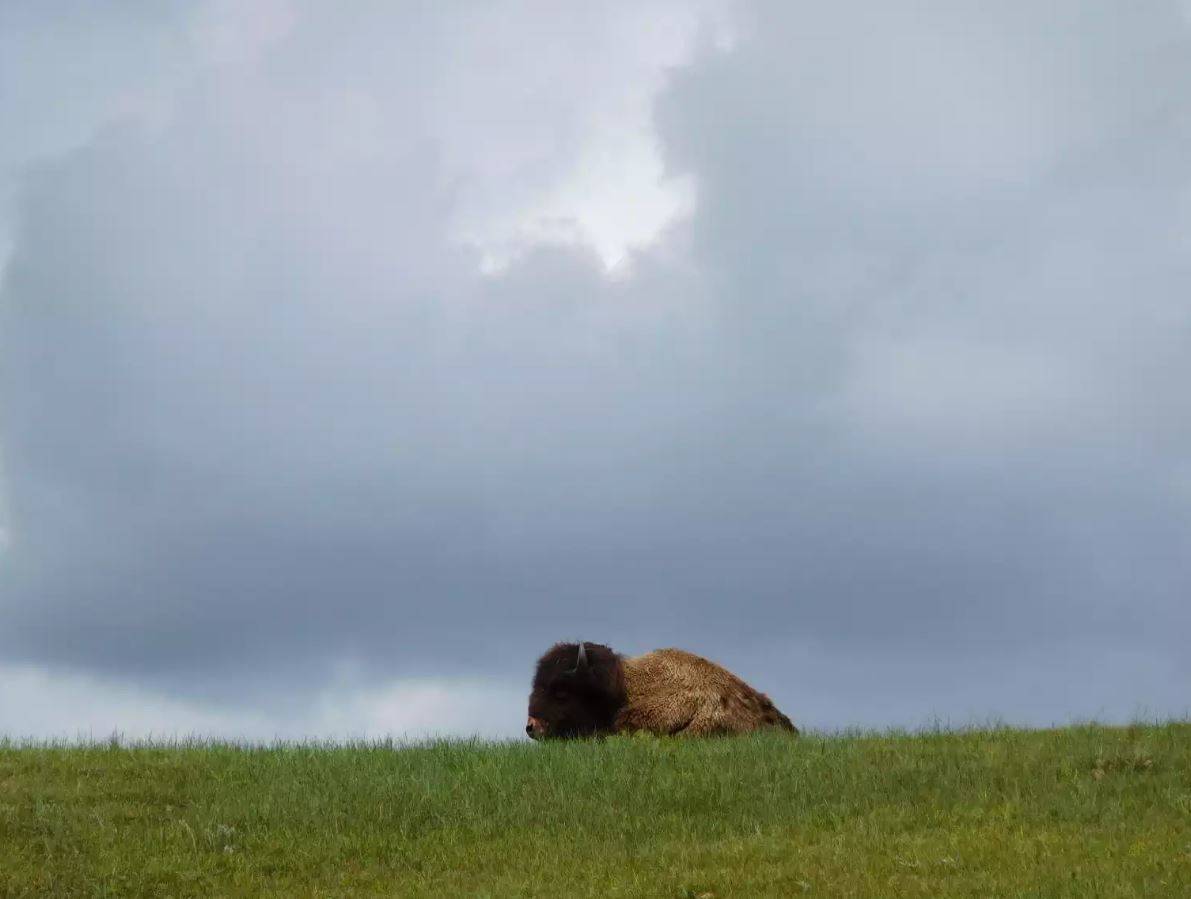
(846, 345)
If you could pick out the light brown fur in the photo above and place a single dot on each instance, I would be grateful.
(671, 691)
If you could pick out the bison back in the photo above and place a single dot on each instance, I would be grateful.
(670, 691)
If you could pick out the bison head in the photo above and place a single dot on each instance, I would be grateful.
(577, 690)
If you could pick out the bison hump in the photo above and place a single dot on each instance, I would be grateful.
(671, 691)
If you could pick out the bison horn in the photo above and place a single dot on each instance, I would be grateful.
(581, 663)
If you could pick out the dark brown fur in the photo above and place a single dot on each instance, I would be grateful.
(667, 691)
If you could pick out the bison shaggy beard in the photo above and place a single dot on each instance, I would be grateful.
(587, 690)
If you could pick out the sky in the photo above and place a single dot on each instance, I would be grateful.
(351, 356)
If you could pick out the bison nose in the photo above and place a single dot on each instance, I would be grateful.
(535, 727)
(529, 729)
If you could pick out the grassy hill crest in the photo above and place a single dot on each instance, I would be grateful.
(1081, 811)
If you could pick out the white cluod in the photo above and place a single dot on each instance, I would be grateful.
(573, 160)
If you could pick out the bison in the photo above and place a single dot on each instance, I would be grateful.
(587, 690)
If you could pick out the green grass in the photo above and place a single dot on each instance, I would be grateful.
(1085, 811)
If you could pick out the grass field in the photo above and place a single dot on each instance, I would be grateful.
(1086, 811)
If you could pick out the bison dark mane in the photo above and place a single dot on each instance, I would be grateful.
(578, 689)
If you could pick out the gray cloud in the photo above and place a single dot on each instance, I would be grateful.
(902, 394)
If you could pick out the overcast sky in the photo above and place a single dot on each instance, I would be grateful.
(350, 355)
